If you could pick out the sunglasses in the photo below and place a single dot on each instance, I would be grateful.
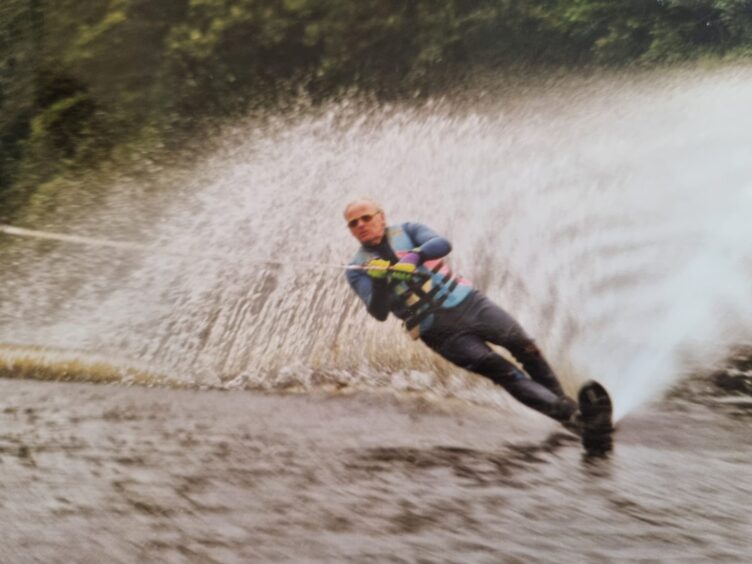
(365, 218)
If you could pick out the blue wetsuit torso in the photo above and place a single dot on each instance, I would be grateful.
(434, 287)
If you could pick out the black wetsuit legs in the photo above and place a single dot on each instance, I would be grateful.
(461, 335)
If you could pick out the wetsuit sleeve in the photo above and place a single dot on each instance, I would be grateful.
(429, 244)
(374, 293)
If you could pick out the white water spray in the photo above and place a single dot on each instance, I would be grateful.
(609, 216)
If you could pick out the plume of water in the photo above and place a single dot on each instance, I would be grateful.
(608, 215)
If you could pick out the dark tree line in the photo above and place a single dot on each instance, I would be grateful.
(81, 78)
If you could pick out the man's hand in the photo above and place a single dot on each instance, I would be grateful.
(406, 267)
(403, 271)
(377, 268)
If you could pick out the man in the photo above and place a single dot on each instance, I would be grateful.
(402, 273)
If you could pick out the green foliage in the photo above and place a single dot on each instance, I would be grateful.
(223, 51)
(81, 77)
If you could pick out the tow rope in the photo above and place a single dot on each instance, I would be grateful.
(127, 245)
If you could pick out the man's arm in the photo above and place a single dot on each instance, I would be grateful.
(374, 293)
(429, 244)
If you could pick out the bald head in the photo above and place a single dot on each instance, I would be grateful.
(363, 202)
(366, 220)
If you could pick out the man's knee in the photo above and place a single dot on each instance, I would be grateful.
(498, 369)
(525, 349)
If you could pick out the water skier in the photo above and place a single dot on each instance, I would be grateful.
(404, 274)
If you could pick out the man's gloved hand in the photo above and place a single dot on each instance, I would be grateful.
(406, 267)
(377, 268)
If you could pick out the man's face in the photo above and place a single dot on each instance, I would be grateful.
(366, 223)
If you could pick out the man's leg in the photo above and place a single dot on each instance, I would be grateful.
(531, 358)
(472, 353)
(497, 326)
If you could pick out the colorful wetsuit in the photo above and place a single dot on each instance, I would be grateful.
(433, 288)
(455, 320)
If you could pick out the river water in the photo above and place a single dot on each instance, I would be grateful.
(102, 472)
(608, 214)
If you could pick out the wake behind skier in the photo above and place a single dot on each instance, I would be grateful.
(406, 276)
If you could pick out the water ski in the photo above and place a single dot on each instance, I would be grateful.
(595, 410)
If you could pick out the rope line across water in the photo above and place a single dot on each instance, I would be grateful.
(127, 245)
